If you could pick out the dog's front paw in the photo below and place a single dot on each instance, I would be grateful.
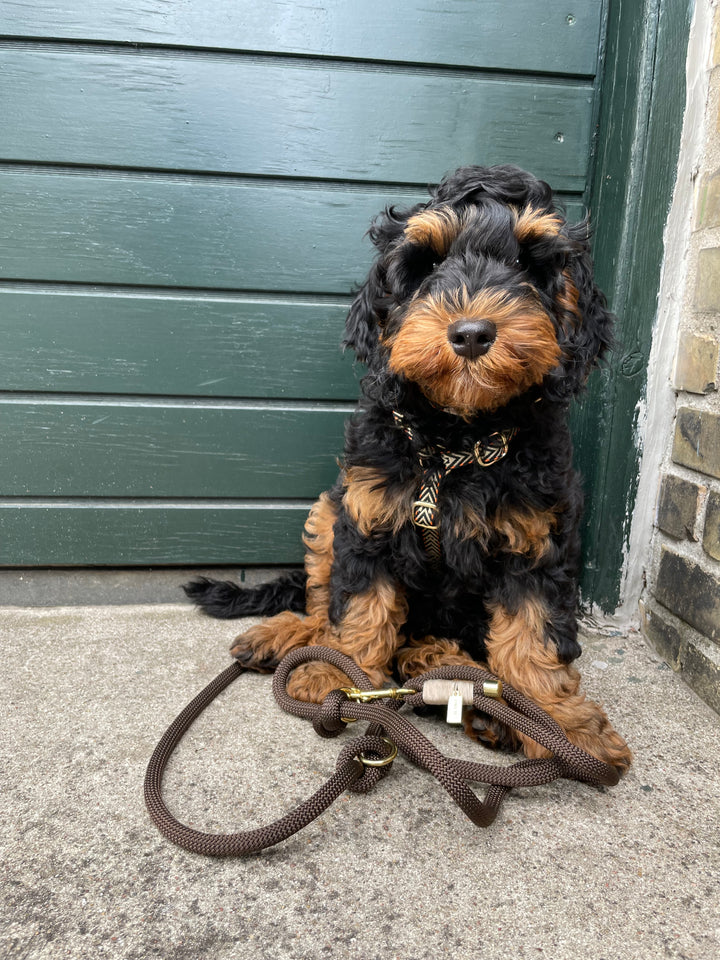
(263, 647)
(313, 681)
(254, 649)
(427, 654)
(489, 732)
(611, 749)
(596, 735)
(591, 731)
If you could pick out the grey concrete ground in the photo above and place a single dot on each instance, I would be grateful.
(567, 871)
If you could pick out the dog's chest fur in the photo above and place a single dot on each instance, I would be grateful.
(495, 522)
(472, 516)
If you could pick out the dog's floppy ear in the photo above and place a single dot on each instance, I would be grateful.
(372, 300)
(585, 323)
(361, 330)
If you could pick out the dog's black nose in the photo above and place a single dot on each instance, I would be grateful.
(471, 338)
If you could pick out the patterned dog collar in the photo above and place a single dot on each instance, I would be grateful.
(426, 510)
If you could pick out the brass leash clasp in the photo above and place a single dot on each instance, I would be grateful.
(365, 696)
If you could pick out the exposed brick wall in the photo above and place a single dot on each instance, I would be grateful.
(681, 605)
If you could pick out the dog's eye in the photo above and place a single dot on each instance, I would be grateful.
(414, 265)
(424, 261)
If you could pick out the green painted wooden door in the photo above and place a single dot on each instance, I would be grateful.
(186, 187)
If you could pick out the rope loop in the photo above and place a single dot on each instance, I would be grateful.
(327, 722)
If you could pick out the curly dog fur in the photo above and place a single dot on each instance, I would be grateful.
(479, 316)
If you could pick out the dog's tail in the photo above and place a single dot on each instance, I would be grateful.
(226, 600)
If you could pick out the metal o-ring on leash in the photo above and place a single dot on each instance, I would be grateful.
(384, 761)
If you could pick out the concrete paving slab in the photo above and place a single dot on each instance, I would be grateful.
(567, 871)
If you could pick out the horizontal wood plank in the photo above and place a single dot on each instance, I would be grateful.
(111, 448)
(536, 36)
(249, 116)
(186, 232)
(190, 232)
(106, 342)
(117, 534)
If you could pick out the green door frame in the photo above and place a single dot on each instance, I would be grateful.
(634, 169)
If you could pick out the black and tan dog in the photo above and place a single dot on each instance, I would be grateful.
(451, 535)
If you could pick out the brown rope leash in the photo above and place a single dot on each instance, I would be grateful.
(364, 760)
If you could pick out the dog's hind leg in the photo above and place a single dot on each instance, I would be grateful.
(521, 653)
(367, 631)
(264, 645)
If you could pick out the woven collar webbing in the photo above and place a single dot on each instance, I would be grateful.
(426, 510)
